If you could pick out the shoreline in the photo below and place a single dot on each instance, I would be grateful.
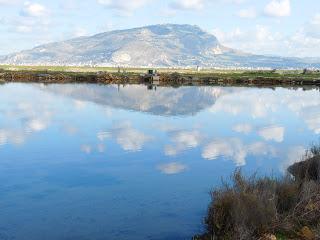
(250, 78)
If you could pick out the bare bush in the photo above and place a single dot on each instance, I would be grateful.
(251, 207)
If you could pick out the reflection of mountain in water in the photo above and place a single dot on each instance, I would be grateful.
(164, 101)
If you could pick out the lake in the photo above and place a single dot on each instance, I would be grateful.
(82, 161)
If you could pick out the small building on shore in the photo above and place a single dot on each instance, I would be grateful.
(152, 77)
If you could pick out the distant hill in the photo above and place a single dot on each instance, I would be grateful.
(159, 46)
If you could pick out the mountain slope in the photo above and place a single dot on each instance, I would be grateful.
(159, 45)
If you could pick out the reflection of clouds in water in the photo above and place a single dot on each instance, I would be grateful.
(37, 125)
(235, 150)
(260, 103)
(69, 129)
(242, 102)
(183, 140)
(86, 148)
(294, 154)
(129, 138)
(16, 137)
(172, 168)
(311, 115)
(274, 133)
(243, 128)
(24, 117)
(165, 101)
(79, 105)
(102, 136)
(101, 148)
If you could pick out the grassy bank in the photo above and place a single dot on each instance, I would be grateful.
(268, 208)
(208, 71)
(167, 76)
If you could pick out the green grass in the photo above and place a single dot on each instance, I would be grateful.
(203, 74)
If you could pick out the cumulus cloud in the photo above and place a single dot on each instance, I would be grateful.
(123, 5)
(10, 2)
(259, 40)
(235, 1)
(247, 13)
(172, 168)
(188, 4)
(34, 10)
(278, 8)
(262, 39)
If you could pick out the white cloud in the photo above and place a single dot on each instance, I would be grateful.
(188, 4)
(278, 8)
(24, 29)
(34, 10)
(274, 133)
(123, 5)
(262, 39)
(235, 1)
(172, 168)
(247, 13)
(9, 2)
(80, 32)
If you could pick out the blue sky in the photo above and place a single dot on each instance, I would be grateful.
(275, 27)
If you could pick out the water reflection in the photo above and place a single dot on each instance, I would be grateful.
(172, 168)
(235, 150)
(115, 152)
(165, 101)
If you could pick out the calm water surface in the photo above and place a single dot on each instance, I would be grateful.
(81, 162)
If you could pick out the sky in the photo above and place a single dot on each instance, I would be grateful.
(271, 27)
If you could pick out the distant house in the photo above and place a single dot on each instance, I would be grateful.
(153, 77)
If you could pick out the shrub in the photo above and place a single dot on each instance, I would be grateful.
(251, 207)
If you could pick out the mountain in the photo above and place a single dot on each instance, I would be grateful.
(166, 45)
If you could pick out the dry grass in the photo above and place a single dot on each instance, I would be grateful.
(251, 207)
